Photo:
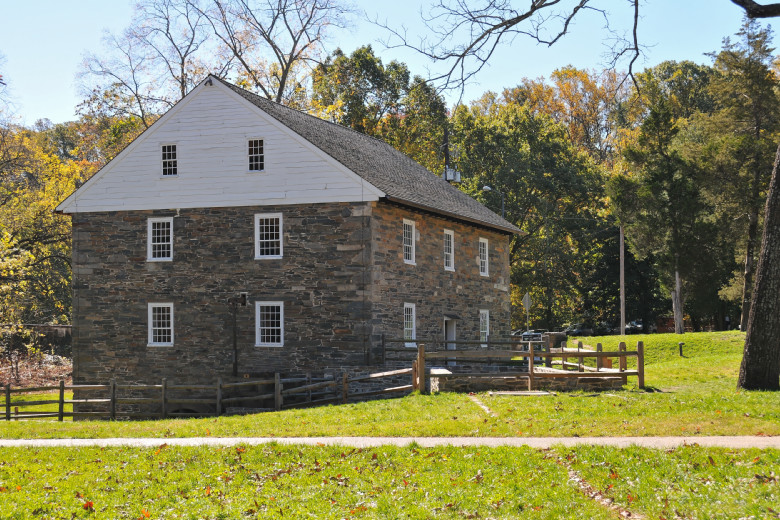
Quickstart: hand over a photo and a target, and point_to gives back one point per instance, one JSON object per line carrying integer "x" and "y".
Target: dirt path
{"x": 366, "y": 442}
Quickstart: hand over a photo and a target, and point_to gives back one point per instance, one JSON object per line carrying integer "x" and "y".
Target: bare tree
{"x": 175, "y": 33}
{"x": 464, "y": 34}
{"x": 153, "y": 64}
{"x": 123, "y": 83}
{"x": 273, "y": 42}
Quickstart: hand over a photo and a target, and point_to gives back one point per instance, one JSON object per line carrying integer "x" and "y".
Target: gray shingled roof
{"x": 398, "y": 176}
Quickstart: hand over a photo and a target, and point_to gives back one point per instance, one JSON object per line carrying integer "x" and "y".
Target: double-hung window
{"x": 483, "y": 257}
{"x": 269, "y": 320}
{"x": 256, "y": 155}
{"x": 159, "y": 239}
{"x": 410, "y": 324}
{"x": 449, "y": 250}
{"x": 160, "y": 330}
{"x": 484, "y": 326}
{"x": 408, "y": 241}
{"x": 170, "y": 166}
{"x": 268, "y": 236}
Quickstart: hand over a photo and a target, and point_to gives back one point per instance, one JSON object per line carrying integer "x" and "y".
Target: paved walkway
{"x": 367, "y": 442}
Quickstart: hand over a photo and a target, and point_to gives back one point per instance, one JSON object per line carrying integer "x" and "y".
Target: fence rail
{"x": 517, "y": 359}
{"x": 528, "y": 353}
{"x": 285, "y": 393}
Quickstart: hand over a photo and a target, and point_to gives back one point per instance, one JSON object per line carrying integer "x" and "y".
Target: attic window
{"x": 256, "y": 155}
{"x": 170, "y": 167}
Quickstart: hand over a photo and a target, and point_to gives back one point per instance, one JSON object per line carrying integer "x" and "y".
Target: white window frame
{"x": 169, "y": 163}
{"x": 484, "y": 326}
{"x": 150, "y": 236}
{"x": 409, "y": 232}
{"x": 250, "y": 155}
{"x": 258, "y": 218}
{"x": 410, "y": 332}
{"x": 258, "y": 334}
{"x": 449, "y": 256}
{"x": 484, "y": 257}
{"x": 151, "y": 328}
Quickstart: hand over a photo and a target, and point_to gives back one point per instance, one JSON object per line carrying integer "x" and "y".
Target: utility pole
{"x": 622, "y": 283}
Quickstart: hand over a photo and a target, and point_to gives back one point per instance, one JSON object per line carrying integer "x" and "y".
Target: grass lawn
{"x": 691, "y": 395}
{"x": 275, "y": 481}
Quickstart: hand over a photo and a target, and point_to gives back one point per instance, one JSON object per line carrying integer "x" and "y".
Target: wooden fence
{"x": 518, "y": 359}
{"x": 161, "y": 401}
{"x": 521, "y": 362}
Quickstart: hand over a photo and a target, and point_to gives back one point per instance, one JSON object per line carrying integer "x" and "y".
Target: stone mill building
{"x": 239, "y": 236}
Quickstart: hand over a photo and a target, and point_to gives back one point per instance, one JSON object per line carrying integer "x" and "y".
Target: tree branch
{"x": 756, "y": 10}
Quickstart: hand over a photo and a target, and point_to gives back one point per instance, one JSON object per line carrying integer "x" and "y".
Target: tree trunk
{"x": 677, "y": 304}
{"x": 760, "y": 369}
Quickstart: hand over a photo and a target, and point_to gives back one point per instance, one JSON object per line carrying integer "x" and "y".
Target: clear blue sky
{"x": 43, "y": 42}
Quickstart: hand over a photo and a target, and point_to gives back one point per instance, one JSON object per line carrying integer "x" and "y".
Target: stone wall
{"x": 509, "y": 383}
{"x": 320, "y": 279}
{"x": 437, "y": 293}
{"x": 342, "y": 280}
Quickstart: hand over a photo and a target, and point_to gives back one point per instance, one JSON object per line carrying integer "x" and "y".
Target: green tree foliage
{"x": 552, "y": 191}
{"x": 659, "y": 199}
{"x": 361, "y": 92}
{"x": 587, "y": 103}
{"x": 738, "y": 138}
{"x": 34, "y": 241}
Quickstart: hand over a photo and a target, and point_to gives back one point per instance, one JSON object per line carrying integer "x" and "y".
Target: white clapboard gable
{"x": 211, "y": 127}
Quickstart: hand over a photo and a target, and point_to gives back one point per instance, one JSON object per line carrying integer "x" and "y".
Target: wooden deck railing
{"x": 527, "y": 353}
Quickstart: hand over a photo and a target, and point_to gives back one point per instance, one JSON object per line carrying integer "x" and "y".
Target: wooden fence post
{"x": 277, "y": 392}
{"x": 640, "y": 363}
{"x": 564, "y": 359}
{"x": 421, "y": 366}
{"x": 344, "y": 387}
{"x": 8, "y": 402}
{"x": 415, "y": 375}
{"x": 61, "y": 410}
{"x": 219, "y": 396}
{"x": 112, "y": 397}
{"x": 622, "y": 360}
{"x": 530, "y": 366}
{"x": 599, "y": 361}
{"x": 164, "y": 412}
{"x": 580, "y": 360}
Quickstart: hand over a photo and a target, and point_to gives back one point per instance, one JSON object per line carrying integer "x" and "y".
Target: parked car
{"x": 636, "y": 327}
{"x": 603, "y": 329}
{"x": 529, "y": 335}
{"x": 578, "y": 329}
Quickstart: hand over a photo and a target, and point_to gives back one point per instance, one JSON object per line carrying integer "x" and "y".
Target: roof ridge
{"x": 307, "y": 114}
{"x": 391, "y": 171}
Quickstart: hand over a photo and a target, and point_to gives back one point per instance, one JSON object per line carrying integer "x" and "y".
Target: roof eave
{"x": 506, "y": 229}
